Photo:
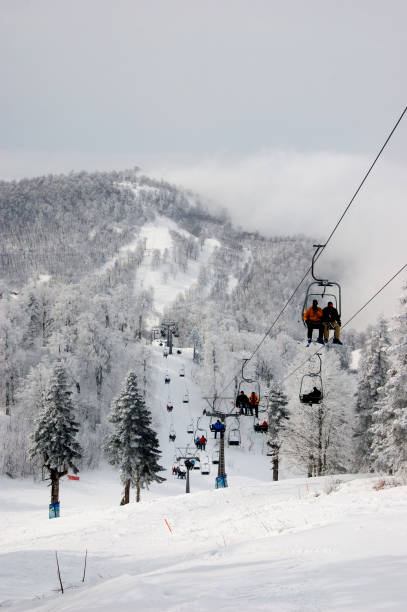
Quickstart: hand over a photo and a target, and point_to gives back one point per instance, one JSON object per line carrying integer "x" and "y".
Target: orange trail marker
{"x": 166, "y": 522}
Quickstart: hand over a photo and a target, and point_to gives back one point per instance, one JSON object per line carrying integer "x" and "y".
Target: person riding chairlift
{"x": 331, "y": 320}
{"x": 218, "y": 427}
{"x": 254, "y": 404}
{"x": 242, "y": 403}
{"x": 313, "y": 396}
{"x": 313, "y": 319}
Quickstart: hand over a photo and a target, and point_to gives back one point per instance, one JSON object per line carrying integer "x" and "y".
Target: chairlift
{"x": 261, "y": 427}
{"x": 205, "y": 467}
{"x": 200, "y": 431}
{"x": 185, "y": 399}
{"x": 182, "y": 371}
{"x": 322, "y": 290}
{"x": 248, "y": 385}
{"x": 215, "y": 456}
{"x": 172, "y": 435}
{"x": 197, "y": 464}
{"x": 311, "y": 388}
{"x": 190, "y": 428}
{"x": 234, "y": 437}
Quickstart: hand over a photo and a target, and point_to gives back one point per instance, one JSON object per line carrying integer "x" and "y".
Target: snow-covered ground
{"x": 332, "y": 543}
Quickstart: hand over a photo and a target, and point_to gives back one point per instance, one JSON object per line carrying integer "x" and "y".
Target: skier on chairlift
{"x": 202, "y": 442}
{"x": 313, "y": 319}
{"x": 242, "y": 403}
{"x": 314, "y": 395}
{"x": 218, "y": 427}
{"x": 254, "y": 403}
{"x": 331, "y": 320}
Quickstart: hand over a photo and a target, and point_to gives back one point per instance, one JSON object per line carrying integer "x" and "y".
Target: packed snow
{"x": 329, "y": 543}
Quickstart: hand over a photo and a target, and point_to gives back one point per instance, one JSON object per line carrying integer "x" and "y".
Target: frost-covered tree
{"x": 277, "y": 415}
{"x": 54, "y": 436}
{"x": 320, "y": 436}
{"x": 389, "y": 428}
{"x": 133, "y": 445}
{"x": 374, "y": 368}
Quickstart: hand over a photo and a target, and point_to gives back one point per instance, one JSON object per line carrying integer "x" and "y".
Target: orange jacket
{"x": 253, "y": 399}
{"x": 313, "y": 315}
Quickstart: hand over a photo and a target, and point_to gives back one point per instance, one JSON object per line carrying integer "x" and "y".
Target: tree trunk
{"x": 310, "y": 466}
{"x": 275, "y": 466}
{"x": 126, "y": 495}
{"x": 54, "y": 476}
{"x": 320, "y": 423}
{"x": 138, "y": 489}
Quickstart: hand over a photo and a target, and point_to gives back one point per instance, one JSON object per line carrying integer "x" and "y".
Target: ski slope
{"x": 323, "y": 544}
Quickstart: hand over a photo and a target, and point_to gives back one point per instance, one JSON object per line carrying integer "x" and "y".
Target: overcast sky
{"x": 272, "y": 109}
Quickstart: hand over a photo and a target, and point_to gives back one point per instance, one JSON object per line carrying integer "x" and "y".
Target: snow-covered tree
{"x": 373, "y": 374}
{"x": 389, "y": 428}
{"x": 54, "y": 436}
{"x": 133, "y": 445}
{"x": 277, "y": 415}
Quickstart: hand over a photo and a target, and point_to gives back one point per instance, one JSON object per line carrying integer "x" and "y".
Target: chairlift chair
{"x": 309, "y": 381}
{"x": 248, "y": 384}
{"x": 200, "y": 431}
{"x": 185, "y": 399}
{"x": 197, "y": 464}
{"x": 321, "y": 289}
{"x": 182, "y": 371}
{"x": 215, "y": 456}
{"x": 190, "y": 428}
{"x": 205, "y": 468}
{"x": 260, "y": 428}
{"x": 234, "y": 437}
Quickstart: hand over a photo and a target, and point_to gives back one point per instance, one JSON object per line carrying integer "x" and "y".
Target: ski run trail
{"x": 331, "y": 543}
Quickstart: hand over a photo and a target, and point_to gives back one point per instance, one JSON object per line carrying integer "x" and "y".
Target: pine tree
{"x": 374, "y": 368}
{"x": 278, "y": 414}
{"x": 54, "y": 437}
{"x": 133, "y": 445}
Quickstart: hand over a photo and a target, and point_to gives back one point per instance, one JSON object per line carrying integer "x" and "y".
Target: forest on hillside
{"x": 70, "y": 296}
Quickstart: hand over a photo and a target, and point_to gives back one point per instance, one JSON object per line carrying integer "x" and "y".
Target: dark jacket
{"x": 242, "y": 400}
{"x": 330, "y": 315}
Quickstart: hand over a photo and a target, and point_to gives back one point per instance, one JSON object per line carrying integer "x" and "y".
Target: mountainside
{"x": 94, "y": 261}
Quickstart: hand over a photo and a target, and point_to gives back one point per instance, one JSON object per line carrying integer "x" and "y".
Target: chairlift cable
{"x": 326, "y": 242}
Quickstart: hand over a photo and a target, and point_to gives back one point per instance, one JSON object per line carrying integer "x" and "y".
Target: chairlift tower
{"x": 185, "y": 456}
{"x": 221, "y": 480}
{"x": 169, "y": 326}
